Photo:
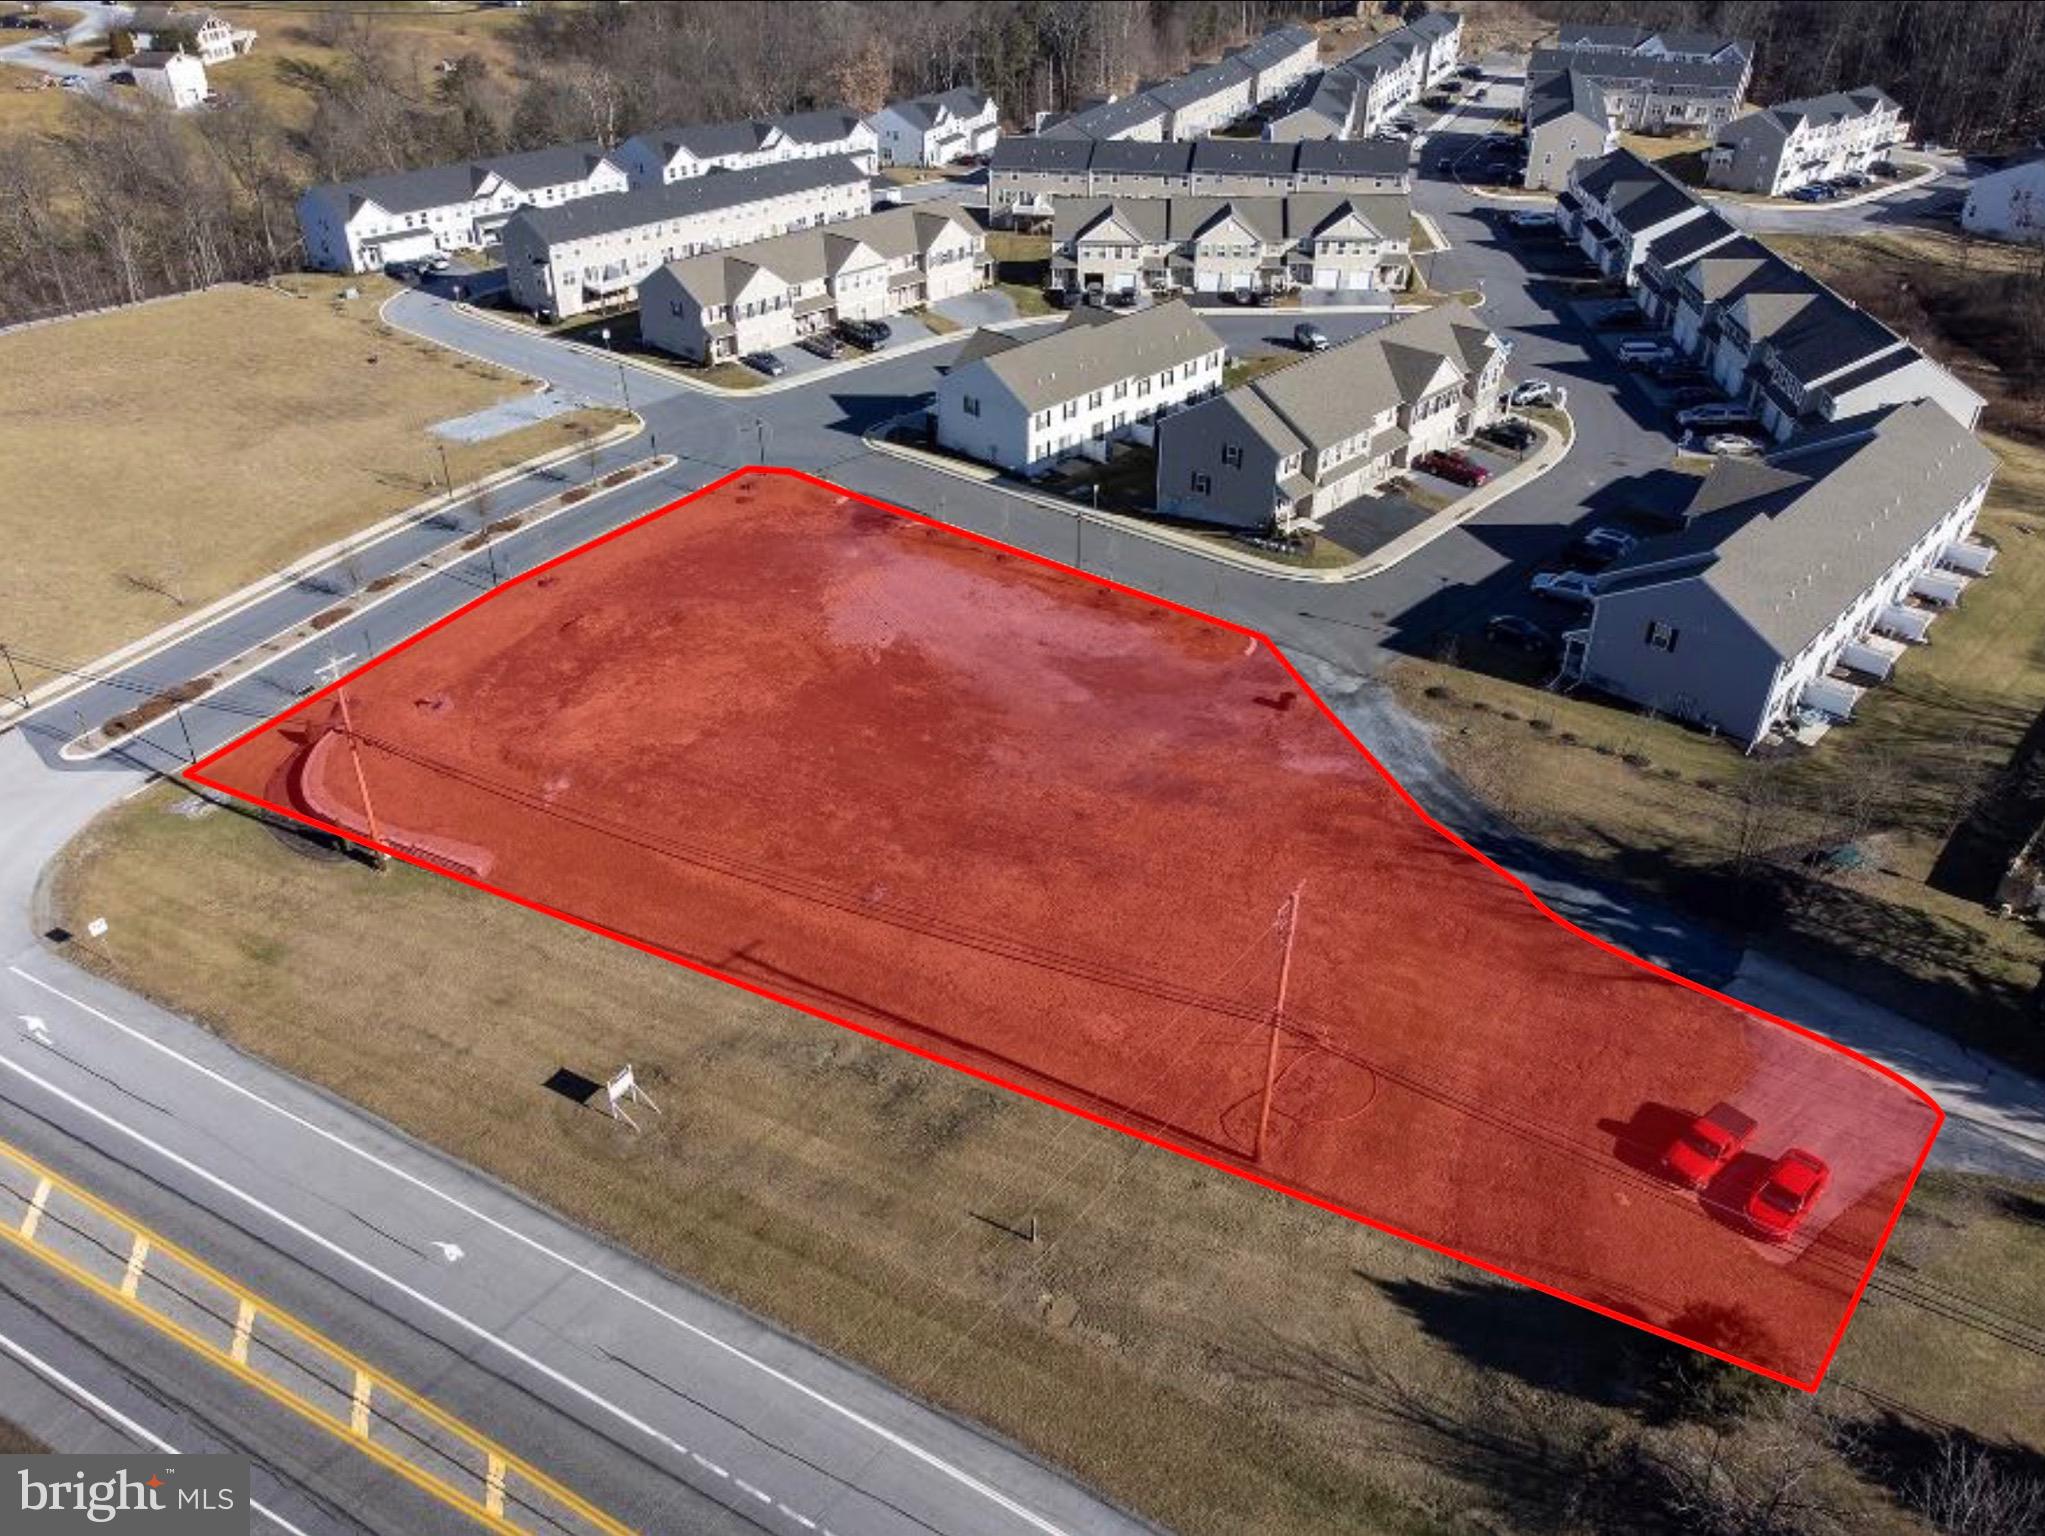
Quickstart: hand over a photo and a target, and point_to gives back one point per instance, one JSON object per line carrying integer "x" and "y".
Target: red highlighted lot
{"x": 1049, "y": 832}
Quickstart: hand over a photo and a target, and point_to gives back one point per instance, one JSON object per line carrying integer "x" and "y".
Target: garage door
{"x": 404, "y": 247}
{"x": 1125, "y": 282}
{"x": 1326, "y": 277}
{"x": 1207, "y": 282}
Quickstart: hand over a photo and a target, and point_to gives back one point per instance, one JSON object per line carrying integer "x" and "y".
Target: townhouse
{"x": 1324, "y": 242}
{"x": 939, "y": 129}
{"x": 1567, "y": 124}
{"x": 1797, "y": 580}
{"x": 769, "y": 293}
{"x": 1357, "y": 96}
{"x": 178, "y": 80}
{"x": 1619, "y": 204}
{"x": 1097, "y": 379}
{"x": 1204, "y": 98}
{"x": 564, "y": 260}
{"x": 1774, "y": 152}
{"x": 1656, "y": 82}
{"x": 676, "y": 154}
{"x": 1028, "y": 175}
{"x": 1287, "y": 449}
{"x": 2008, "y": 204}
{"x": 361, "y": 225}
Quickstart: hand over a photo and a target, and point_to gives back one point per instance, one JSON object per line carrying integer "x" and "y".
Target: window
{"x": 1660, "y": 636}
{"x": 1201, "y": 484}
{"x": 1232, "y": 455}
{"x": 971, "y": 405}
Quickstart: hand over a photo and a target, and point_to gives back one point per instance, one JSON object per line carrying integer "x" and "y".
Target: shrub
{"x": 1634, "y": 760}
{"x": 1438, "y": 691}
{"x": 1543, "y": 726}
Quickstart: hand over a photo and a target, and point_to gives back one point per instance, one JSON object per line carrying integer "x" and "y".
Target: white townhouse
{"x": 1358, "y": 95}
{"x": 1616, "y": 206}
{"x": 769, "y": 293}
{"x": 1797, "y": 581}
{"x": 1029, "y": 174}
{"x": 676, "y": 154}
{"x": 1204, "y": 98}
{"x": 1773, "y": 152}
{"x": 178, "y": 80}
{"x": 584, "y": 255}
{"x": 1285, "y": 450}
{"x": 940, "y": 129}
{"x": 359, "y": 226}
{"x": 1279, "y": 60}
{"x": 1100, "y": 377}
{"x": 2008, "y": 204}
{"x": 1321, "y": 242}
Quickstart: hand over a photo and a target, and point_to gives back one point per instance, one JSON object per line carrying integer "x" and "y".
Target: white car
{"x": 1731, "y": 445}
{"x": 1702, "y": 418}
{"x": 438, "y": 264}
{"x": 1533, "y": 392}
{"x": 1572, "y": 587}
{"x": 1639, "y": 351}
{"x": 1533, "y": 218}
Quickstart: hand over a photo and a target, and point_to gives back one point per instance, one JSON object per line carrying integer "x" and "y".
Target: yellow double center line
{"x": 79, "y": 1236}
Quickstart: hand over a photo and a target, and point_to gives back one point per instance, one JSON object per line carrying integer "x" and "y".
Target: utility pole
{"x": 624, "y": 389}
{"x": 1277, "y": 1022}
{"x": 760, "y": 429}
{"x": 446, "y": 479}
{"x": 334, "y": 664}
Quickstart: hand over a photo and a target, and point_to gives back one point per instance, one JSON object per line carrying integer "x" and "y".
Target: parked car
{"x": 1478, "y": 94}
{"x": 1705, "y": 418}
{"x": 1815, "y": 192}
{"x": 1600, "y": 547}
{"x": 1532, "y": 392}
{"x": 823, "y": 344}
{"x": 1123, "y": 298}
{"x": 1522, "y": 634}
{"x": 765, "y": 362}
{"x": 1531, "y": 218}
{"x": 1309, "y": 337}
{"x": 1471, "y": 72}
{"x": 1853, "y": 181}
{"x": 871, "y": 335}
{"x": 1642, "y": 352}
{"x": 1571, "y": 587}
{"x": 436, "y": 263}
{"x": 1787, "y": 1194}
{"x": 1885, "y": 169}
{"x": 1677, "y": 370}
{"x": 1706, "y": 1145}
{"x": 1685, "y": 395}
{"x": 1622, "y": 317}
{"x": 1508, "y": 433}
{"x": 1456, "y": 468}
{"x": 1733, "y": 445}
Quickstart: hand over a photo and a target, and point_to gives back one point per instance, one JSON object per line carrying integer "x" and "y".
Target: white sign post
{"x": 97, "y": 928}
{"x": 625, "y": 1087}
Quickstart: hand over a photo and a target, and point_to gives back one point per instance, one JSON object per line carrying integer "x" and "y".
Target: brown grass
{"x": 159, "y": 457}
{"x": 25, "y": 105}
{"x": 1218, "y": 1357}
{"x": 16, "y": 1441}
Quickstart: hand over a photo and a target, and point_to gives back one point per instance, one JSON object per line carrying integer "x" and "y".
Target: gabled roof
{"x": 1242, "y": 157}
{"x": 441, "y": 186}
{"x": 745, "y": 136}
{"x": 924, "y": 111}
{"x": 1219, "y": 157}
{"x": 825, "y": 250}
{"x": 1637, "y": 193}
{"x": 1555, "y": 93}
{"x": 1275, "y": 46}
{"x": 1791, "y": 542}
{"x": 1174, "y": 220}
{"x": 1093, "y": 350}
{"x": 691, "y": 195}
{"x": 1136, "y": 157}
{"x": 1111, "y": 118}
{"x": 1437, "y": 24}
{"x": 1674, "y": 247}
{"x": 1201, "y": 84}
{"x": 1041, "y": 152}
{"x": 1721, "y": 74}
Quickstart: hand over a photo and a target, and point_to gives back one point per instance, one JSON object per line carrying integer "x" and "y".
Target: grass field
{"x": 1218, "y": 1357}
{"x": 1021, "y": 265}
{"x": 159, "y": 457}
{"x": 26, "y": 104}
{"x": 1654, "y": 803}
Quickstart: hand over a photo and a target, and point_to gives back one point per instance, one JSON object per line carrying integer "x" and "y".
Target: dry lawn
{"x": 1221, "y": 1358}
{"x": 159, "y": 457}
{"x": 27, "y": 105}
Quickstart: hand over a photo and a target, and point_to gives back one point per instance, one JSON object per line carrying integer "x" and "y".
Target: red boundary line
{"x": 195, "y": 775}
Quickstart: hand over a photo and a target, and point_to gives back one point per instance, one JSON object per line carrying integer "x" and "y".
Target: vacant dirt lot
{"x": 159, "y": 457}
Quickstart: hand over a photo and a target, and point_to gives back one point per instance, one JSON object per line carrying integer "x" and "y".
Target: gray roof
{"x": 1634, "y": 39}
{"x": 1041, "y": 152}
{"x": 1092, "y": 350}
{"x": 1724, "y": 74}
{"x": 1309, "y": 157}
{"x": 1675, "y": 246}
{"x": 806, "y": 255}
{"x": 694, "y": 194}
{"x": 1637, "y": 193}
{"x": 1158, "y": 220}
{"x": 1790, "y": 543}
{"x": 1111, "y": 118}
{"x": 1778, "y": 122}
{"x": 439, "y": 186}
{"x": 1557, "y": 93}
{"x": 1242, "y": 157}
{"x": 962, "y": 101}
{"x": 745, "y": 136}
{"x": 1278, "y": 44}
{"x": 1199, "y": 84}
{"x": 1349, "y": 157}
{"x": 1437, "y": 24}
{"x": 1140, "y": 157}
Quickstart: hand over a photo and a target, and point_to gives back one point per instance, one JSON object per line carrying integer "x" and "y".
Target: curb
{"x": 1833, "y": 205}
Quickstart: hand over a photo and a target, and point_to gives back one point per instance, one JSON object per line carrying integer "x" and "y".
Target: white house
{"x": 676, "y": 154}
{"x": 1099, "y": 377}
{"x": 176, "y": 79}
{"x": 359, "y": 226}
{"x": 1617, "y": 206}
{"x": 1774, "y": 152}
{"x": 2008, "y": 204}
{"x": 939, "y": 129}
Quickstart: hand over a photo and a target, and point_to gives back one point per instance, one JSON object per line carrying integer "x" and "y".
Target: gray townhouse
{"x": 566, "y": 260}
{"x": 1617, "y": 205}
{"x": 1321, "y": 242}
{"x": 1654, "y": 287}
{"x": 1099, "y": 378}
{"x": 1202, "y": 99}
{"x": 1797, "y": 580}
{"x": 942, "y": 128}
{"x": 365, "y": 224}
{"x": 769, "y": 293}
{"x": 1656, "y": 82}
{"x": 676, "y": 154}
{"x": 1773, "y": 152}
{"x": 1028, "y": 175}
{"x": 1286, "y": 449}
{"x": 1356, "y": 96}
{"x": 1566, "y": 123}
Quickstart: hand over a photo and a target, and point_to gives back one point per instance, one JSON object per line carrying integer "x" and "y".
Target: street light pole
{"x": 760, "y": 430}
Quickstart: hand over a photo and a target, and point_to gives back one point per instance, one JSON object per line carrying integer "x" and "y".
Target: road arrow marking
{"x": 452, "y": 1252}
{"x": 36, "y": 1028}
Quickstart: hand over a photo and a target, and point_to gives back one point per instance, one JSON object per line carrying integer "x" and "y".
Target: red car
{"x": 1706, "y": 1145}
{"x": 1455, "y": 467}
{"x": 1788, "y": 1194}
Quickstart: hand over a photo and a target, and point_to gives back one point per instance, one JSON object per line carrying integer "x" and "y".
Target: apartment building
{"x": 676, "y": 154}
{"x": 1202, "y": 99}
{"x": 1619, "y": 204}
{"x": 1357, "y": 96}
{"x": 361, "y": 225}
{"x": 936, "y": 130}
{"x": 1567, "y": 124}
{"x": 1774, "y": 152}
{"x": 2008, "y": 204}
{"x": 564, "y": 260}
{"x": 1027, "y": 176}
{"x": 1798, "y": 579}
{"x": 769, "y": 293}
{"x": 1101, "y": 377}
{"x": 1286, "y": 449}
{"x": 1656, "y": 82}
{"x": 1322, "y": 242}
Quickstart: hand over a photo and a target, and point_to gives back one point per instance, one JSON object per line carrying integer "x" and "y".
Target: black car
{"x": 1516, "y": 435}
{"x": 765, "y": 362}
{"x": 1062, "y": 298}
{"x": 1677, "y": 372}
{"x": 1521, "y": 634}
{"x": 1123, "y": 298}
{"x": 1683, "y": 396}
{"x": 871, "y": 335}
{"x": 824, "y": 345}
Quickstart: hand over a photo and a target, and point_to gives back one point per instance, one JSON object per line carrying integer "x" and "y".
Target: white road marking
{"x": 909, "y": 1447}
{"x": 33, "y": 1026}
{"x": 705, "y": 1461}
{"x": 106, "y": 1410}
{"x": 745, "y": 1487}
